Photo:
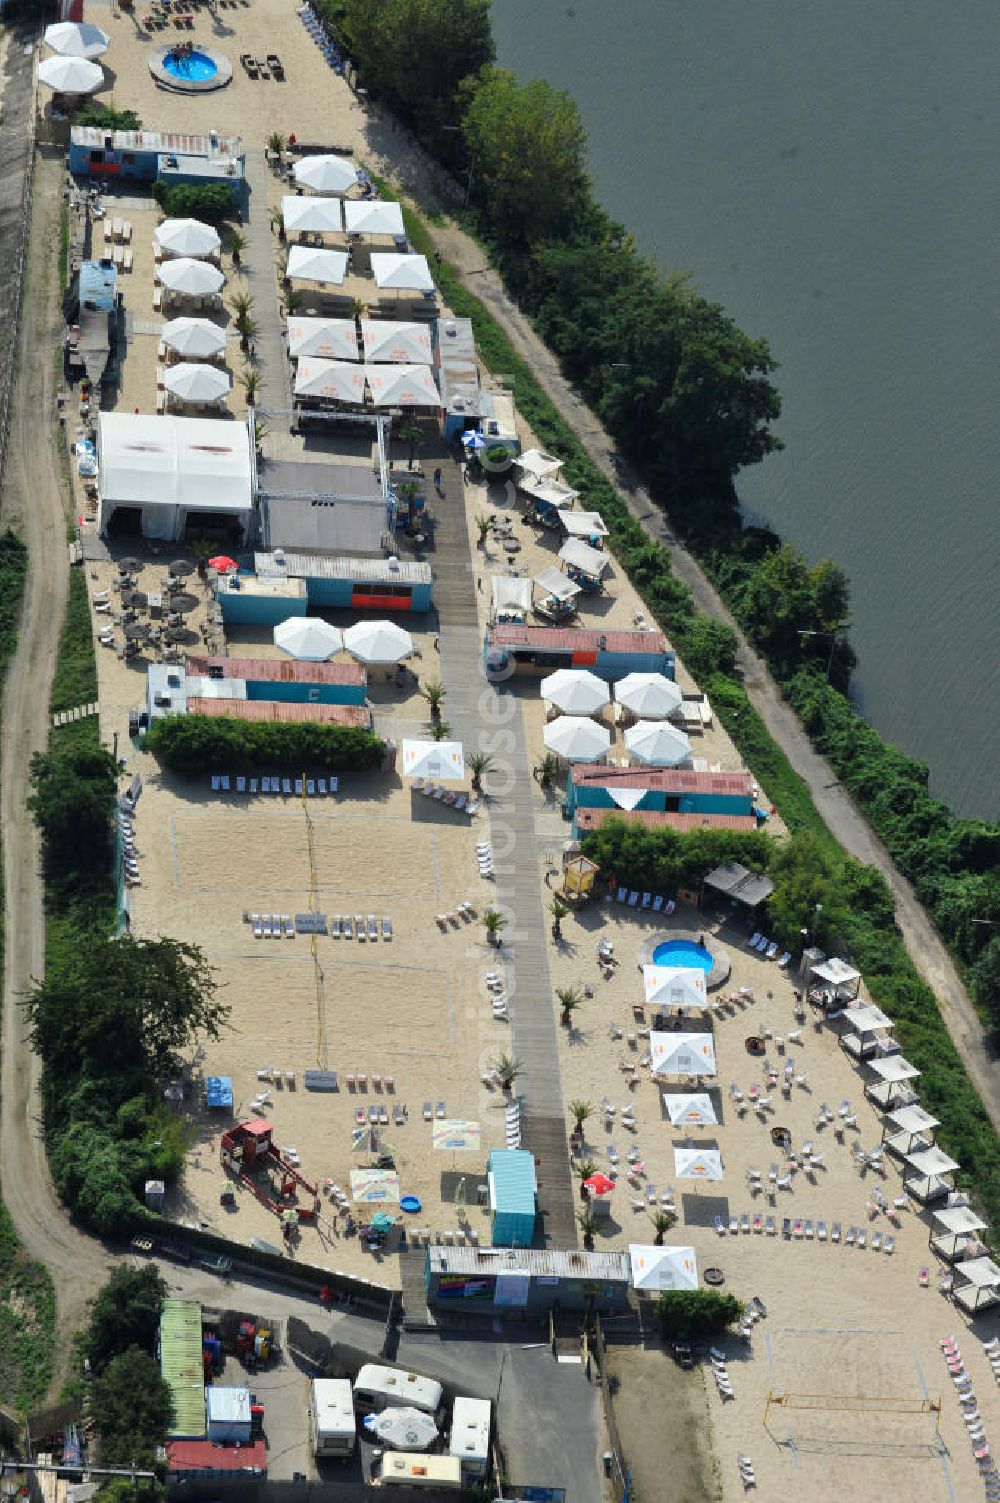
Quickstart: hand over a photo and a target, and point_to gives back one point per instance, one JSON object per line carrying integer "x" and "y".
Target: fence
{"x": 620, "y": 1475}
{"x": 15, "y": 275}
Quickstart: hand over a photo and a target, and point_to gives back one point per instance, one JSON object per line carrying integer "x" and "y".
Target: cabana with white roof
{"x": 657, "y": 1268}
{"x": 333, "y": 380}
{"x": 535, "y": 464}
{"x": 690, "y": 1109}
{"x": 887, "y": 1086}
{"x": 977, "y": 1284}
{"x": 306, "y": 263}
{"x": 173, "y": 471}
{"x": 401, "y": 273}
{"x": 952, "y": 1230}
{"x": 698, "y": 1163}
{"x": 374, "y": 216}
{"x": 908, "y": 1129}
{"x": 930, "y": 1171}
{"x": 558, "y": 592}
{"x": 322, "y": 338}
{"x": 680, "y": 987}
{"x": 836, "y": 973}
{"x": 311, "y": 216}
{"x": 584, "y": 564}
{"x": 551, "y": 497}
{"x": 402, "y": 386}
{"x": 389, "y": 341}
{"x": 682, "y": 1054}
{"x": 583, "y": 524}
{"x": 866, "y": 1031}
{"x": 511, "y": 598}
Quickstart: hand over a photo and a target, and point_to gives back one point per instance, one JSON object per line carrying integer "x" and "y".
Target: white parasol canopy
{"x": 648, "y": 694}
{"x": 404, "y": 1429}
{"x": 373, "y": 216}
{"x": 330, "y": 378}
{"x": 682, "y": 1053}
{"x": 433, "y": 759}
{"x": 314, "y": 216}
{"x": 401, "y": 273}
{"x": 193, "y": 278}
{"x": 323, "y": 338}
{"x": 656, "y": 742}
{"x": 77, "y": 39}
{"x": 197, "y": 338}
{"x": 697, "y": 1163}
{"x": 576, "y": 739}
{"x": 658, "y": 1268}
{"x": 196, "y": 383}
{"x": 308, "y": 263}
{"x": 402, "y": 386}
{"x": 308, "y": 639}
{"x": 693, "y": 1109}
{"x": 575, "y": 691}
{"x": 187, "y": 237}
{"x": 675, "y": 986}
{"x": 378, "y": 642}
{"x": 388, "y": 341}
{"x": 71, "y": 75}
{"x": 326, "y": 174}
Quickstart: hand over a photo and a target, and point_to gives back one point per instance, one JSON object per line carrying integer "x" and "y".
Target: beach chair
{"x": 373, "y": 1115}
{"x": 216, "y": 783}
{"x": 225, "y": 782}
{"x": 720, "y": 1226}
{"x": 241, "y": 785}
{"x": 669, "y": 907}
{"x": 321, "y": 787}
{"x": 335, "y": 926}
{"x": 440, "y": 1109}
{"x": 633, "y": 899}
{"x": 769, "y": 1226}
{"x": 658, "y": 903}
{"x": 359, "y": 927}
{"x": 771, "y": 950}
{"x": 265, "y": 785}
{"x": 372, "y": 927}
{"x": 821, "y": 1231}
{"x": 797, "y": 1228}
{"x": 647, "y": 899}
{"x": 253, "y": 787}
{"x": 786, "y": 1228}
{"x": 809, "y": 1231}
{"x": 334, "y": 784}
{"x": 359, "y": 1116}
{"x": 310, "y": 788}
{"x": 754, "y": 940}
{"x": 890, "y": 1246}
{"x": 612, "y": 1155}
{"x": 428, "y": 1112}
{"x": 876, "y": 1241}
{"x": 298, "y": 787}
{"x": 472, "y": 807}
{"x": 862, "y": 1237}
{"x": 784, "y": 959}
{"x": 383, "y": 1115}
{"x": 758, "y": 1223}
{"x": 762, "y": 944}
{"x": 258, "y": 929}
{"x": 734, "y": 1226}
{"x": 386, "y": 928}
{"x": 286, "y": 787}
{"x": 348, "y": 927}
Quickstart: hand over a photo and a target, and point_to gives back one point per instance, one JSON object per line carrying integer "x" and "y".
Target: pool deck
{"x": 181, "y": 85}
{"x": 721, "y": 966}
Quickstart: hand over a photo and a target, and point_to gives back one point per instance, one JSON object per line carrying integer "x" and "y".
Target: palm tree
{"x": 583, "y": 1170}
{"x": 203, "y": 551}
{"x": 440, "y": 730}
{"x": 359, "y": 309}
{"x": 434, "y": 694}
{"x": 236, "y": 243}
{"x": 588, "y": 1226}
{"x": 662, "y": 1223}
{"x": 546, "y": 769}
{"x": 293, "y": 299}
{"x": 250, "y": 382}
{"x": 411, "y": 433}
{"x": 508, "y": 1067}
{"x": 241, "y": 304}
{"x": 580, "y": 1111}
{"x": 493, "y": 923}
{"x": 569, "y": 999}
{"x": 483, "y": 524}
{"x": 276, "y": 142}
{"x": 479, "y": 764}
{"x": 558, "y": 910}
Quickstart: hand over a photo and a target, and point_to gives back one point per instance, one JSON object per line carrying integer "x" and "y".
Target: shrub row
{"x": 198, "y": 744}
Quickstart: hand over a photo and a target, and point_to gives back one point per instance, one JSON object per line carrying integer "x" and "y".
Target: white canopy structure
{"x": 698, "y": 1163}
{"x": 953, "y": 1227}
{"x": 456, "y": 1135}
{"x": 190, "y": 277}
{"x": 576, "y": 739}
{"x": 579, "y": 555}
{"x": 869, "y": 1019}
{"x": 402, "y": 386}
{"x": 323, "y": 338}
{"x": 77, "y": 39}
{"x": 388, "y": 341}
{"x": 534, "y": 464}
{"x": 929, "y": 1171}
{"x": 908, "y": 1129}
{"x": 311, "y": 216}
{"x": 194, "y": 338}
{"x": 682, "y": 1053}
{"x": 187, "y": 237}
{"x": 308, "y": 263}
{"x": 374, "y": 216}
{"x": 171, "y": 468}
{"x": 378, "y": 642}
{"x": 336, "y": 380}
{"x": 403, "y": 1429}
{"x": 657, "y": 743}
{"x": 575, "y": 691}
{"x": 977, "y": 1284}
{"x": 583, "y": 524}
{"x": 657, "y": 1268}
{"x": 71, "y": 75}
{"x": 887, "y": 1086}
{"x": 649, "y": 695}
{"x": 894, "y": 1069}
{"x": 838, "y": 974}
{"x": 401, "y": 273}
{"x": 326, "y": 174}
{"x": 510, "y": 595}
{"x": 548, "y": 492}
{"x": 693, "y": 1109}
{"x": 308, "y": 639}
{"x": 196, "y": 383}
{"x": 434, "y": 760}
{"x": 554, "y": 582}
{"x": 682, "y": 987}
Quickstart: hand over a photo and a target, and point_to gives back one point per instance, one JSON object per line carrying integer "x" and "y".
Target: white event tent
{"x": 657, "y": 1268}
{"x": 402, "y": 386}
{"x": 171, "y": 468}
{"x": 401, "y": 273}
{"x": 677, "y": 986}
{"x": 697, "y": 1163}
{"x": 433, "y": 759}
{"x": 323, "y": 338}
{"x": 307, "y": 263}
{"x": 337, "y": 380}
{"x": 311, "y": 216}
{"x": 187, "y": 237}
{"x": 326, "y": 174}
{"x": 308, "y": 639}
{"x": 682, "y": 1054}
{"x": 577, "y": 739}
{"x": 690, "y": 1109}
{"x": 390, "y": 341}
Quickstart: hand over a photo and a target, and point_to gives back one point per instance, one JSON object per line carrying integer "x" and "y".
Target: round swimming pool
{"x": 191, "y": 67}
{"x": 684, "y": 952}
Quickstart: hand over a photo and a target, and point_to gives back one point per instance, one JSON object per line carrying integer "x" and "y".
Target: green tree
{"x": 804, "y": 880}
{"x": 125, "y": 1490}
{"x": 106, "y": 117}
{"x": 570, "y": 999}
{"x": 125, "y": 1313}
{"x": 559, "y": 910}
{"x": 986, "y": 981}
{"x": 132, "y": 1408}
{"x": 412, "y": 435}
{"x": 663, "y": 1222}
{"x": 210, "y": 202}
{"x": 433, "y": 694}
{"x": 493, "y": 922}
{"x": 696, "y": 1312}
{"x": 508, "y": 1067}
{"x": 72, "y": 802}
{"x": 588, "y": 1226}
{"x": 479, "y": 764}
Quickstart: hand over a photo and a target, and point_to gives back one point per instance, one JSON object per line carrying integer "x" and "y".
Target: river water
{"x": 829, "y": 173}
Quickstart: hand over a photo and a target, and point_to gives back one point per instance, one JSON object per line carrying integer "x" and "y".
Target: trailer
{"x": 248, "y": 1151}
{"x": 331, "y": 1410}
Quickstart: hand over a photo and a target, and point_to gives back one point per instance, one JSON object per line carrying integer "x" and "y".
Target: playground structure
{"x": 248, "y": 1151}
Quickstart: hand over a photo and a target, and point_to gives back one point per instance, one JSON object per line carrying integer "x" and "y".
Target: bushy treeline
{"x": 130, "y": 1402}
{"x": 198, "y": 744}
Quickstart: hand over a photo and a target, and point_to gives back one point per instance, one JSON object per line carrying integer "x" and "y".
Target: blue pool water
{"x": 193, "y": 66}
{"x": 683, "y": 952}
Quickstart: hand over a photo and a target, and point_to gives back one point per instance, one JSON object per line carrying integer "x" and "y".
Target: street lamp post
{"x": 833, "y": 635}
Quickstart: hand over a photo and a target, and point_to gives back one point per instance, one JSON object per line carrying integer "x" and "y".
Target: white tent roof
{"x": 583, "y": 524}
{"x": 193, "y": 278}
{"x": 650, "y": 695}
{"x": 958, "y": 1220}
{"x": 836, "y": 971}
{"x": 433, "y": 759}
{"x": 314, "y": 216}
{"x": 196, "y": 338}
{"x": 373, "y": 216}
{"x": 576, "y": 739}
{"x": 931, "y": 1162}
{"x": 581, "y": 556}
{"x": 657, "y": 742}
{"x": 326, "y": 174}
{"x": 196, "y": 383}
{"x": 308, "y": 639}
{"x": 912, "y": 1119}
{"x": 187, "y": 237}
{"x": 330, "y": 378}
{"x": 402, "y": 386}
{"x": 323, "y": 338}
{"x": 387, "y": 340}
{"x": 308, "y": 263}
{"x": 682, "y": 1053}
{"x": 626, "y": 798}
{"x": 152, "y": 460}
{"x": 510, "y": 593}
{"x": 77, "y": 39}
{"x": 893, "y": 1069}
{"x": 693, "y": 1109}
{"x": 660, "y": 1268}
{"x": 697, "y": 1163}
{"x": 378, "y": 642}
{"x": 404, "y": 1429}
{"x": 538, "y": 464}
{"x": 575, "y": 691}
{"x": 71, "y": 75}
{"x": 551, "y": 491}
{"x": 401, "y": 272}
{"x": 554, "y": 582}
{"x": 866, "y": 1019}
{"x": 982, "y": 1272}
{"x": 675, "y": 986}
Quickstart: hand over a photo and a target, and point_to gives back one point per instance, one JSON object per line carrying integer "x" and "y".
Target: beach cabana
{"x": 574, "y": 691}
{"x": 390, "y": 341}
{"x": 335, "y": 380}
{"x": 77, "y": 39}
{"x": 657, "y": 743}
{"x": 577, "y": 739}
{"x": 888, "y": 1080}
{"x": 952, "y": 1227}
{"x": 583, "y": 562}
{"x": 648, "y": 696}
{"x": 977, "y": 1284}
{"x": 680, "y": 987}
{"x": 311, "y": 216}
{"x": 908, "y": 1129}
{"x": 325, "y": 174}
{"x": 444, "y": 760}
{"x": 697, "y": 1163}
{"x": 201, "y": 384}
{"x": 401, "y": 273}
{"x": 535, "y": 464}
{"x": 682, "y": 1053}
{"x": 189, "y": 277}
{"x": 374, "y": 216}
{"x": 690, "y": 1109}
{"x": 323, "y": 338}
{"x": 378, "y": 642}
{"x": 929, "y": 1174}
{"x": 836, "y": 973}
{"x": 187, "y": 237}
{"x": 511, "y": 597}
{"x": 308, "y": 263}
{"x": 194, "y": 338}
{"x": 71, "y": 75}
{"x": 583, "y": 524}
{"x": 866, "y": 1031}
{"x": 308, "y": 639}
{"x": 657, "y": 1268}
{"x": 402, "y": 386}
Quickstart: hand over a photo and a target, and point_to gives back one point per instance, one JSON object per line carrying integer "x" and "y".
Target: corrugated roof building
{"x": 181, "y": 1366}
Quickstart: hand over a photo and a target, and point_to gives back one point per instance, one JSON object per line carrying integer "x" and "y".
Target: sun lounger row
{"x": 971, "y": 1417}
{"x": 272, "y": 925}
{"x": 512, "y": 1125}
{"x": 288, "y": 787}
{"x": 484, "y": 859}
{"x": 377, "y": 1116}
{"x": 657, "y": 904}
{"x": 358, "y": 1080}
{"x": 452, "y": 797}
{"x": 342, "y": 926}
{"x": 768, "y": 948}
{"x": 452, "y": 916}
{"x": 449, "y": 1238}
{"x": 721, "y": 1375}
{"x": 431, "y": 1112}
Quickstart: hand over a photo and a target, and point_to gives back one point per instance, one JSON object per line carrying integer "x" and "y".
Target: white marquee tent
{"x": 402, "y": 386}
{"x": 657, "y": 1268}
{"x": 374, "y": 216}
{"x": 690, "y": 1109}
{"x": 312, "y": 216}
{"x": 682, "y": 1054}
{"x": 577, "y": 739}
{"x": 171, "y": 468}
{"x": 390, "y": 341}
{"x": 697, "y": 1163}
{"x": 323, "y": 338}
{"x": 675, "y": 986}
{"x": 187, "y": 237}
{"x": 401, "y": 273}
{"x": 307, "y": 263}
{"x": 433, "y": 759}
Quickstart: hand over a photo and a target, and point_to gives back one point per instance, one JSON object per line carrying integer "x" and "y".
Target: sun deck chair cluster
{"x": 971, "y": 1417}
{"x": 512, "y": 1124}
{"x": 720, "y": 1373}
{"x": 359, "y": 1080}
{"x": 484, "y": 859}
{"x": 130, "y": 851}
{"x": 360, "y": 927}
{"x": 656, "y": 903}
{"x": 747, "y": 1474}
{"x": 453, "y": 798}
{"x": 224, "y": 782}
{"x": 452, "y": 918}
{"x": 270, "y": 925}
{"x": 768, "y": 948}
{"x": 496, "y": 988}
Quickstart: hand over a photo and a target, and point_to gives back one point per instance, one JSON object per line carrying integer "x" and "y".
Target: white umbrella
{"x": 378, "y": 642}
{"x": 648, "y": 694}
{"x": 326, "y": 174}
{"x": 660, "y": 1268}
{"x": 402, "y": 386}
{"x": 697, "y": 1163}
{"x": 695, "y": 1109}
{"x": 658, "y": 743}
{"x": 197, "y": 337}
{"x": 337, "y": 379}
{"x": 314, "y": 216}
{"x": 309, "y": 263}
{"x": 187, "y": 237}
{"x": 682, "y": 1053}
{"x": 77, "y": 39}
{"x": 373, "y": 216}
{"x": 71, "y": 75}
{"x": 575, "y": 691}
{"x": 433, "y": 759}
{"x": 196, "y": 383}
{"x": 323, "y": 338}
{"x": 675, "y": 986}
{"x": 404, "y": 1429}
{"x": 577, "y": 739}
{"x": 193, "y": 278}
{"x": 404, "y": 273}
{"x": 308, "y": 639}
{"x": 387, "y": 340}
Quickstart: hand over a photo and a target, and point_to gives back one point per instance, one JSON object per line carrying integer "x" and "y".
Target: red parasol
{"x": 599, "y": 1184}
{"x": 223, "y": 564}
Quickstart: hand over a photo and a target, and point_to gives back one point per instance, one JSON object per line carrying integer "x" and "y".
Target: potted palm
{"x": 508, "y": 1067}
{"x": 479, "y": 764}
{"x": 434, "y": 693}
{"x": 413, "y": 435}
{"x": 558, "y": 910}
{"x": 545, "y": 770}
{"x": 584, "y": 1169}
{"x": 588, "y": 1226}
{"x": 440, "y": 730}
{"x": 579, "y": 1111}
{"x": 493, "y": 923}
{"x": 483, "y": 525}
{"x": 662, "y": 1221}
{"x": 569, "y": 999}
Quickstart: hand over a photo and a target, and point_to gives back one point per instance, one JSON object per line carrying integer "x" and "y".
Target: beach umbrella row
{"x": 196, "y": 383}
{"x": 190, "y": 277}
{"x": 196, "y": 338}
